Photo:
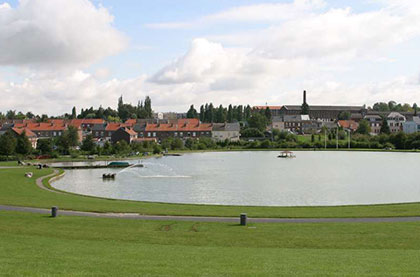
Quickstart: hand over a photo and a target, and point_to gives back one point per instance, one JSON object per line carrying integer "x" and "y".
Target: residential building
{"x": 299, "y": 124}
{"x": 33, "y": 139}
{"x": 395, "y": 122}
{"x": 348, "y": 125}
{"x": 226, "y": 131}
{"x": 412, "y": 126}
{"x": 375, "y": 123}
{"x": 124, "y": 133}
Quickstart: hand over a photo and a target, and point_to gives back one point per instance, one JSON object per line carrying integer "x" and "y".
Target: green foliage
{"x": 157, "y": 149}
{"x": 345, "y": 115}
{"x": 88, "y": 145}
{"x": 45, "y": 146}
{"x": 385, "y": 128}
{"x": 7, "y": 144}
{"x": 23, "y": 145}
{"x": 251, "y": 133}
{"x": 258, "y": 121}
{"x": 177, "y": 144}
{"x": 364, "y": 127}
{"x": 192, "y": 113}
{"x": 121, "y": 148}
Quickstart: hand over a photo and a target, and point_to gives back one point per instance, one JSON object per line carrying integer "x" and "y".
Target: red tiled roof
{"x": 43, "y": 126}
{"x": 113, "y": 126}
{"x": 92, "y": 121}
{"x": 28, "y": 132}
{"x": 130, "y": 131}
{"x": 178, "y": 127}
{"x": 131, "y": 122}
{"x": 188, "y": 121}
{"x": 348, "y": 124}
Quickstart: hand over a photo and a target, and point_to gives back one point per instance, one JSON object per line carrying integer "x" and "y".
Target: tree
{"x": 220, "y": 114}
{"x": 192, "y": 113}
{"x": 364, "y": 127}
{"x": 87, "y": 144}
{"x": 73, "y": 113}
{"x": 148, "y": 107}
{"x": 230, "y": 114}
{"x": 251, "y": 133}
{"x": 7, "y": 144}
{"x": 267, "y": 114}
{"x": 29, "y": 115}
{"x": 202, "y": 114}
{"x": 23, "y": 145}
{"x": 44, "y": 146}
{"x": 415, "y": 109}
{"x": 344, "y": 115}
{"x": 121, "y": 147}
{"x": 385, "y": 128}
{"x": 177, "y": 144}
{"x": 11, "y": 114}
{"x": 72, "y": 135}
{"x": 258, "y": 121}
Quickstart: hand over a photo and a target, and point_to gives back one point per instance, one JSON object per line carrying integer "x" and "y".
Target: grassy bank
{"x": 17, "y": 190}
{"x": 37, "y": 245}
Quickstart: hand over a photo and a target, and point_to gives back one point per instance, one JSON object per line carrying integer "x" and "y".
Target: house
{"x": 226, "y": 131}
{"x": 412, "y": 126}
{"x": 182, "y": 128}
{"x": 348, "y": 125}
{"x": 395, "y": 122}
{"x": 296, "y": 123}
{"x": 375, "y": 123}
{"x": 124, "y": 133}
{"x": 33, "y": 139}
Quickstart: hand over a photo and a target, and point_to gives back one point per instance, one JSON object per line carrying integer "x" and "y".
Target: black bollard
{"x": 243, "y": 219}
{"x": 54, "y": 211}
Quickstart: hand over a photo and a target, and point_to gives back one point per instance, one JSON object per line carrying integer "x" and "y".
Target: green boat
{"x": 118, "y": 164}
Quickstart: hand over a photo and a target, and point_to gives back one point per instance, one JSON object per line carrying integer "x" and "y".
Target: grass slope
{"x": 17, "y": 190}
{"x": 36, "y": 245}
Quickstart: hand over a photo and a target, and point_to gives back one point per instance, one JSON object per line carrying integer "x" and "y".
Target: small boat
{"x": 108, "y": 176}
{"x": 118, "y": 164}
{"x": 286, "y": 154}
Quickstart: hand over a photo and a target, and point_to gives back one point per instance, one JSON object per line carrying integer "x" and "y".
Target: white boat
{"x": 286, "y": 154}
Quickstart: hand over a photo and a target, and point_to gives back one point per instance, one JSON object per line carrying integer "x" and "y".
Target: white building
{"x": 410, "y": 127}
{"x": 226, "y": 131}
{"x": 395, "y": 122}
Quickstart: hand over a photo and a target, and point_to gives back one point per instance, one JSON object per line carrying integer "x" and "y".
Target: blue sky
{"x": 85, "y": 53}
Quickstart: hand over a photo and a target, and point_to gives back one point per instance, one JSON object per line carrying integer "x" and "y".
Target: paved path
{"x": 197, "y": 218}
{"x": 210, "y": 219}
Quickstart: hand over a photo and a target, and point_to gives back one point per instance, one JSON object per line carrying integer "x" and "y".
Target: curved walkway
{"x": 211, "y": 219}
{"x": 39, "y": 183}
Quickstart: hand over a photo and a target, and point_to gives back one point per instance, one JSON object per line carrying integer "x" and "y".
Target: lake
{"x": 259, "y": 178}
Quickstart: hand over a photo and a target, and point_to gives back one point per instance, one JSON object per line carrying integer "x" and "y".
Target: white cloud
{"x": 266, "y": 12}
{"x": 56, "y": 32}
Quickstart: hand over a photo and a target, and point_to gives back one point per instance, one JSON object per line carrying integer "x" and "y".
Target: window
{"x": 54, "y": 134}
{"x": 154, "y": 134}
{"x": 148, "y": 134}
{"x": 193, "y": 134}
{"x": 176, "y": 134}
{"x": 181, "y": 134}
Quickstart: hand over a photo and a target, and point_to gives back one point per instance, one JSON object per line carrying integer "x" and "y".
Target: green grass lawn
{"x": 37, "y": 245}
{"x": 17, "y": 190}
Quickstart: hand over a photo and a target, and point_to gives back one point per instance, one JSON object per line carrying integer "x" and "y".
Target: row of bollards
{"x": 243, "y": 216}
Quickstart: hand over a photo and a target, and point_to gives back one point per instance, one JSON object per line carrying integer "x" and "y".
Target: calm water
{"x": 260, "y": 178}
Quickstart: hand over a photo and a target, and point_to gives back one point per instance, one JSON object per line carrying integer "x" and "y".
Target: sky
{"x": 56, "y": 54}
